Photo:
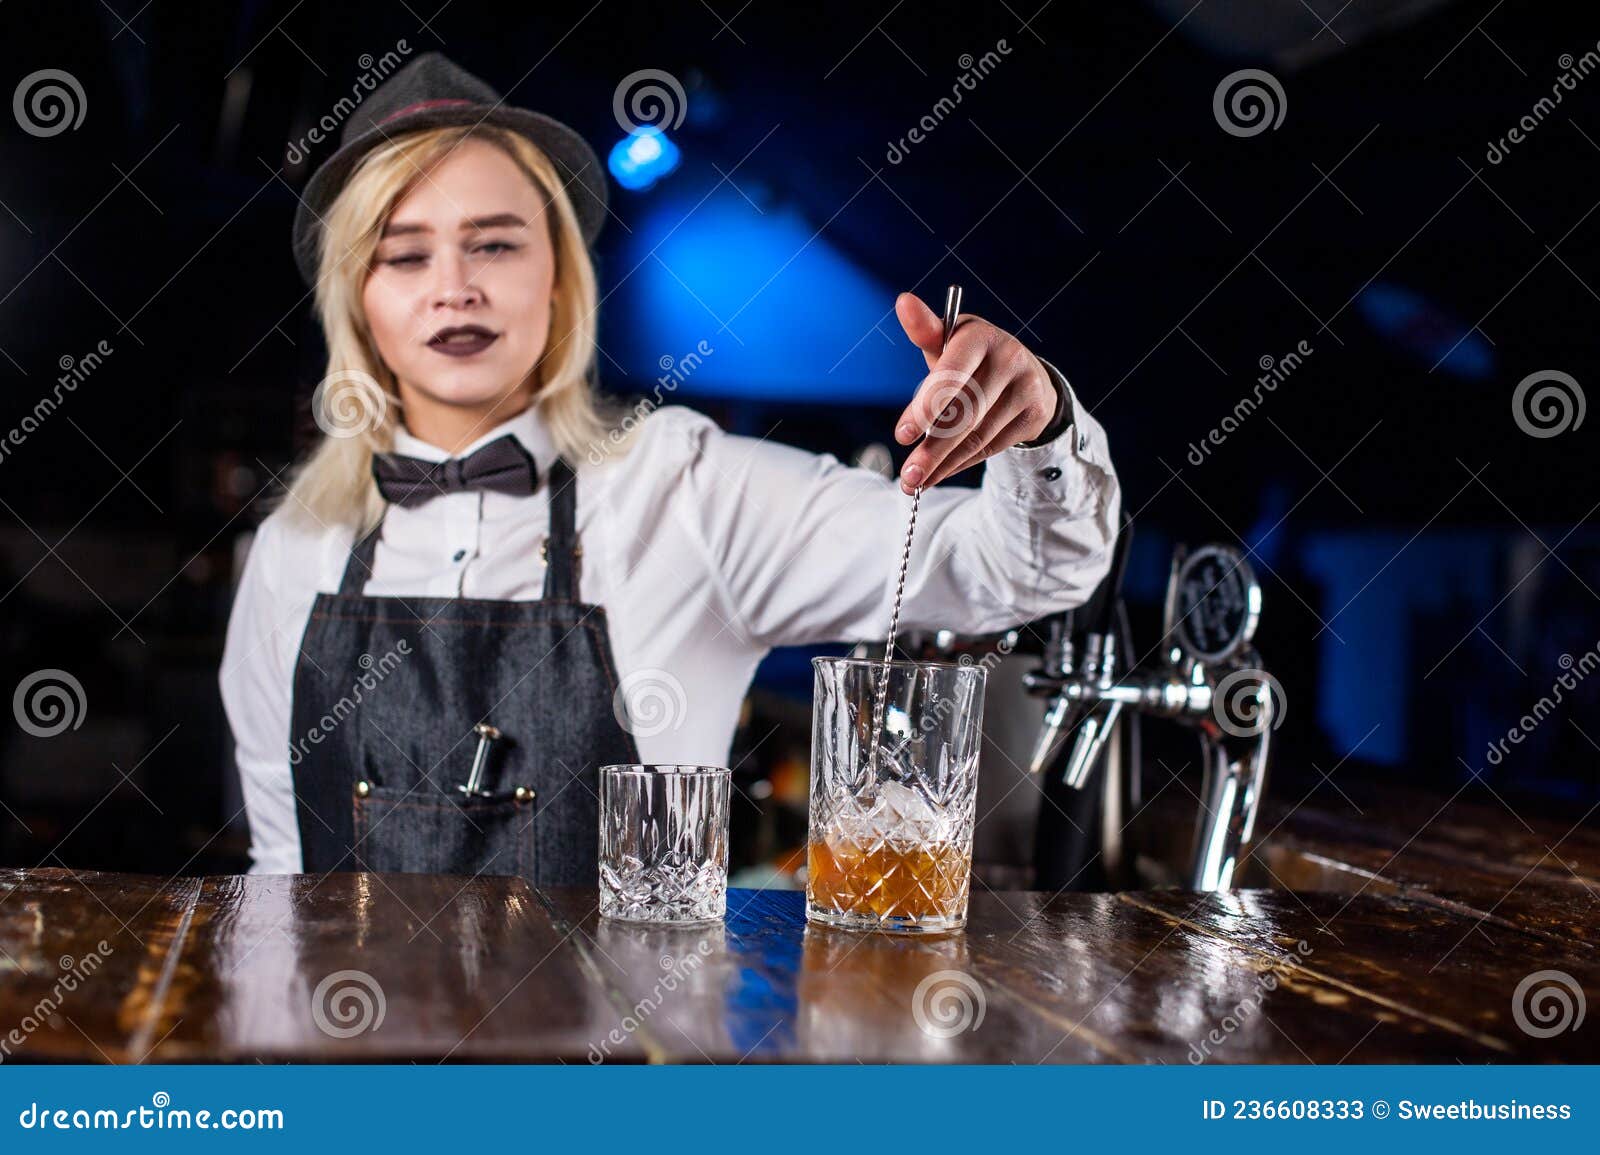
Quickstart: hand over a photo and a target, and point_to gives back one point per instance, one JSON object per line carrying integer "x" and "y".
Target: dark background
{"x": 1427, "y": 563}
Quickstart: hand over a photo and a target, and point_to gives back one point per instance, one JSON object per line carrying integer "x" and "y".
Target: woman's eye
{"x": 413, "y": 260}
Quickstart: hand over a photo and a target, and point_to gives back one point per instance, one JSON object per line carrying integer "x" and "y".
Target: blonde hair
{"x": 358, "y": 404}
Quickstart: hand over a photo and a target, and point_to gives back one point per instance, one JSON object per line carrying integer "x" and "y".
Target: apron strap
{"x": 359, "y": 566}
{"x": 561, "y": 550}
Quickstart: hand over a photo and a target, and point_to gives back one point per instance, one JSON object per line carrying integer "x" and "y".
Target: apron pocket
{"x": 425, "y": 832}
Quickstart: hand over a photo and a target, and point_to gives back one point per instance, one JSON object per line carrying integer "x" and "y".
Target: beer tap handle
{"x": 1060, "y": 719}
{"x": 1058, "y": 650}
{"x": 1093, "y": 731}
{"x": 1234, "y": 783}
{"x": 1077, "y": 648}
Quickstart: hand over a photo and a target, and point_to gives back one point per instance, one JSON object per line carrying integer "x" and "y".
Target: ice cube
{"x": 903, "y": 807}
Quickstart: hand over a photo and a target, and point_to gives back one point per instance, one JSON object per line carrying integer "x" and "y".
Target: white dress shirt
{"x": 706, "y": 550}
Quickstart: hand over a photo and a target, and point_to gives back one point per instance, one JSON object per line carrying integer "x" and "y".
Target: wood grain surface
{"x": 363, "y": 967}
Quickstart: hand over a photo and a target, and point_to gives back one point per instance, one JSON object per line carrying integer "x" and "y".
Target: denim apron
{"x": 387, "y": 691}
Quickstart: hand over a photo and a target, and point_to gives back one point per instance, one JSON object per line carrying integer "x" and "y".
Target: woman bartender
{"x": 476, "y": 591}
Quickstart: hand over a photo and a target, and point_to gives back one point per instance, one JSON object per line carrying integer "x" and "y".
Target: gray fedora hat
{"x": 434, "y": 92}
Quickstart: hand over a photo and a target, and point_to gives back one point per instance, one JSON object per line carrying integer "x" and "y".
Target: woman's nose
{"x": 453, "y": 283}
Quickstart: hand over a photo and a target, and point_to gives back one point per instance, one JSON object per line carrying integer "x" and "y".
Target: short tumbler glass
{"x": 891, "y": 836}
{"x": 664, "y": 842}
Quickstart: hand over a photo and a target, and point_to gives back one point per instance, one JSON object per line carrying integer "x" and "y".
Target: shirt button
{"x": 458, "y": 555}
{"x": 1050, "y": 474}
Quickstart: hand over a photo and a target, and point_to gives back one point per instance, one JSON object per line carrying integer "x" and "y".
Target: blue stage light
{"x": 790, "y": 317}
{"x": 1426, "y": 330}
{"x": 642, "y": 158}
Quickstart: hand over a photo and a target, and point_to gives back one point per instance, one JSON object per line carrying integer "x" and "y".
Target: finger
{"x": 1007, "y": 414}
{"x": 950, "y": 379}
{"x": 922, "y": 325}
{"x": 1007, "y": 436}
{"x": 974, "y": 414}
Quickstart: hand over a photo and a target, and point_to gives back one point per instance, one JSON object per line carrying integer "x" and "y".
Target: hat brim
{"x": 581, "y": 174}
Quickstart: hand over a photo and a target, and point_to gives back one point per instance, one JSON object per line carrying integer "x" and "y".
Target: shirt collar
{"x": 528, "y": 427}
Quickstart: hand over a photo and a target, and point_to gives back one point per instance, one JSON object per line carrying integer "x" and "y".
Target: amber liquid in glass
{"x": 889, "y": 879}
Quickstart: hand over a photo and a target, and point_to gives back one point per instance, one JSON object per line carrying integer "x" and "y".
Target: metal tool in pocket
{"x": 473, "y": 787}
{"x": 487, "y": 736}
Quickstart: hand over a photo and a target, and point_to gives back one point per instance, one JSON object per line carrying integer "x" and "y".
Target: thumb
{"x": 922, "y": 325}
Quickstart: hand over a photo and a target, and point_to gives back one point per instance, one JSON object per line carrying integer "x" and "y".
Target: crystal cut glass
{"x": 664, "y": 842}
{"x": 890, "y": 845}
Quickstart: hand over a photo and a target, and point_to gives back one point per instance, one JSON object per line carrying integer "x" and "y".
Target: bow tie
{"x": 503, "y": 465}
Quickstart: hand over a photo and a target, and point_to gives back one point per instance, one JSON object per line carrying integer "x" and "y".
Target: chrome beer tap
{"x": 1209, "y": 678}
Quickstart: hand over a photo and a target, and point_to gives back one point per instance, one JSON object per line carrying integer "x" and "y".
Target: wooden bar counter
{"x": 1367, "y": 943}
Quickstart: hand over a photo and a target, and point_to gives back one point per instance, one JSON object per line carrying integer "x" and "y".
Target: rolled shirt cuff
{"x": 1067, "y": 467}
